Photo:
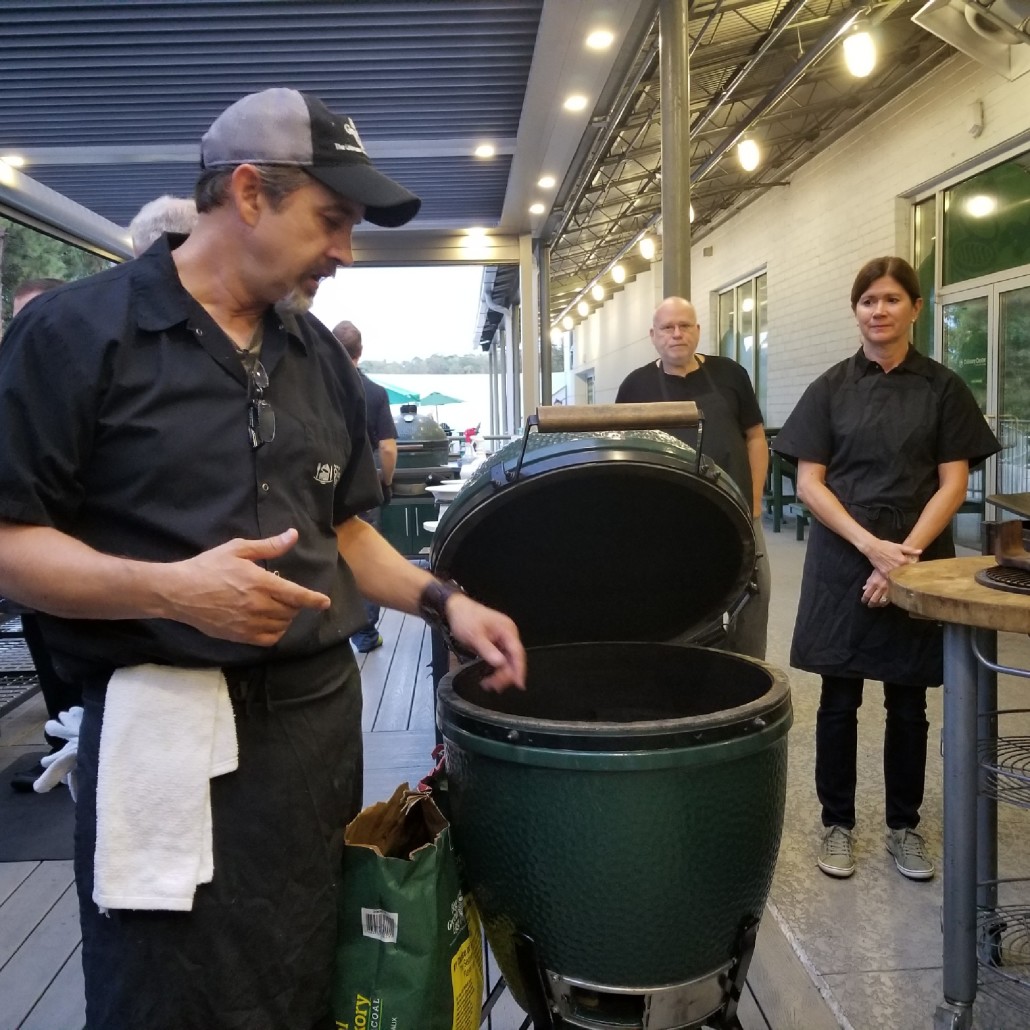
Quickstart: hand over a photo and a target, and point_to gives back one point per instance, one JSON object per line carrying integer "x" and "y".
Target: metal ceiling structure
{"x": 106, "y": 102}
{"x": 770, "y": 70}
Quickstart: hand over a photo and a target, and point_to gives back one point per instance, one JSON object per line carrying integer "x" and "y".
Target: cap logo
{"x": 351, "y": 129}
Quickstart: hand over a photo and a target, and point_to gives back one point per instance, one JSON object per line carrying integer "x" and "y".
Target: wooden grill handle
{"x": 575, "y": 418}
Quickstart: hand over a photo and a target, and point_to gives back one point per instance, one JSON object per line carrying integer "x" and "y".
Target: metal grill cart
{"x": 981, "y": 767}
{"x": 620, "y": 819}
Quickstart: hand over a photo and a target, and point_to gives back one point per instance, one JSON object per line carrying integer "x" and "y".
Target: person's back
{"x": 382, "y": 437}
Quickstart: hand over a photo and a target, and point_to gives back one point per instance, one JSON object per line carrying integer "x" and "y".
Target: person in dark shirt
{"x": 734, "y": 436}
{"x": 382, "y": 438}
{"x": 58, "y": 695}
{"x": 191, "y": 518}
{"x": 884, "y": 441}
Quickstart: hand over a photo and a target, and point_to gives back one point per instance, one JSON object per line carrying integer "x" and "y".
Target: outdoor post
{"x": 544, "y": 279}
{"x": 528, "y": 322}
{"x": 674, "y": 71}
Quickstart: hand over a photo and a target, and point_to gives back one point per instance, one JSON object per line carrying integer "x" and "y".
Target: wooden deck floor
{"x": 40, "y": 974}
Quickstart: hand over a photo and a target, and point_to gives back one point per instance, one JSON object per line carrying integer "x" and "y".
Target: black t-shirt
{"x": 882, "y": 435}
{"x": 725, "y": 444}
{"x": 378, "y": 419}
{"x": 123, "y": 412}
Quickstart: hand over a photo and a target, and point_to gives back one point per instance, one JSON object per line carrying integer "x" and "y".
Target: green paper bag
{"x": 409, "y": 952}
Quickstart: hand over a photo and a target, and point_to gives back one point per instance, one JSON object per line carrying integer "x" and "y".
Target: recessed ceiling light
{"x": 575, "y": 102}
{"x": 536, "y": 209}
{"x": 619, "y": 273}
{"x": 568, "y": 323}
{"x": 556, "y": 337}
{"x": 546, "y": 182}
{"x": 600, "y": 39}
{"x": 647, "y": 249}
{"x": 597, "y": 292}
{"x": 485, "y": 150}
{"x": 583, "y": 308}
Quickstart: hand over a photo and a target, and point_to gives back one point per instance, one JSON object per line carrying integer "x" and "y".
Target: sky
{"x": 405, "y": 313}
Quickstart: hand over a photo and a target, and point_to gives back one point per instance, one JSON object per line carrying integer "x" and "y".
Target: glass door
{"x": 965, "y": 342}
{"x": 1013, "y": 302}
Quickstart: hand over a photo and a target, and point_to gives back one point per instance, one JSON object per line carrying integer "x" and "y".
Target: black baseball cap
{"x": 285, "y": 127}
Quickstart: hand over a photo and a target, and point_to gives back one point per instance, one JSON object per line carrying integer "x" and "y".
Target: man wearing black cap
{"x": 189, "y": 526}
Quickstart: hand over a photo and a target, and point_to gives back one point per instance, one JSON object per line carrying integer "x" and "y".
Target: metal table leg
{"x": 960, "y": 783}
{"x": 987, "y": 802}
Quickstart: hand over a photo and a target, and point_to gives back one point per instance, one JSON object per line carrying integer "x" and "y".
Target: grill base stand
{"x": 555, "y": 1001}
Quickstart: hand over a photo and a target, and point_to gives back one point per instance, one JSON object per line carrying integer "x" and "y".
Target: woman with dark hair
{"x": 884, "y": 441}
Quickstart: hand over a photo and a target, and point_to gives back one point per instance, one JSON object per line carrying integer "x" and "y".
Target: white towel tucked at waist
{"x": 166, "y": 732}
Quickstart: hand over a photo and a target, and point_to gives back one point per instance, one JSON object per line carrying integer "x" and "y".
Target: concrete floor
{"x": 872, "y": 943}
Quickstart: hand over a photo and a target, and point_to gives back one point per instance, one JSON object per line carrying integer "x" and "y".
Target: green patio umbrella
{"x": 435, "y": 400}
{"x": 396, "y": 394}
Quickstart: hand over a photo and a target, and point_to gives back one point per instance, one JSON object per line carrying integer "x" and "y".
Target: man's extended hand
{"x": 492, "y": 636}
{"x": 223, "y": 593}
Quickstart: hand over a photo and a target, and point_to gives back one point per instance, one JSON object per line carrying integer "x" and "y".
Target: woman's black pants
{"x": 836, "y": 751}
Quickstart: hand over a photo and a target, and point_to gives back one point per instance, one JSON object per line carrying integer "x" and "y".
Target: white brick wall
{"x": 840, "y": 210}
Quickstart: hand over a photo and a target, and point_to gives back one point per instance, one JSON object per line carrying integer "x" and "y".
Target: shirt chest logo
{"x": 327, "y": 473}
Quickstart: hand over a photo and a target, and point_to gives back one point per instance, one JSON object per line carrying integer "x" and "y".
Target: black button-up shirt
{"x": 123, "y": 419}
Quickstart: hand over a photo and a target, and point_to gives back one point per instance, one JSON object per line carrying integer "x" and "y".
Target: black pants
{"x": 58, "y": 695}
{"x": 256, "y": 952}
{"x": 904, "y": 751}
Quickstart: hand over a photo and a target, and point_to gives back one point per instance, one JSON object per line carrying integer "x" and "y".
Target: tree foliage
{"x": 475, "y": 362}
{"x": 31, "y": 254}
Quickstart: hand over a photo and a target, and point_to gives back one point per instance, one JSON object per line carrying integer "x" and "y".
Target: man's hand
{"x": 387, "y": 491}
{"x": 492, "y": 636}
{"x": 223, "y": 593}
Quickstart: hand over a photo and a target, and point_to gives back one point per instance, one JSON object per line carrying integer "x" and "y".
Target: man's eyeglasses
{"x": 260, "y": 416}
{"x": 671, "y": 327}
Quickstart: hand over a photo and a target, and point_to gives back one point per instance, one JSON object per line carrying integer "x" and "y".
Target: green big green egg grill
{"x": 619, "y": 820}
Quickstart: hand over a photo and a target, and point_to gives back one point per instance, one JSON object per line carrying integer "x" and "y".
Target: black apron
{"x": 837, "y": 635}
{"x": 723, "y": 442}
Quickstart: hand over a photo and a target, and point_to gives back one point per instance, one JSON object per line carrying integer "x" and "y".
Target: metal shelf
{"x": 1006, "y": 761}
{"x": 1003, "y": 954}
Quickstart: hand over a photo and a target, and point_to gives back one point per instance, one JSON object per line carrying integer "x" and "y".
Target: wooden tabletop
{"x": 946, "y": 590}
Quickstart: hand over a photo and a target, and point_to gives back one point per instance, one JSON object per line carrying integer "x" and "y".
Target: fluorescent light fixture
{"x": 485, "y": 150}
{"x": 747, "y": 304}
{"x": 859, "y": 51}
{"x": 618, "y": 273}
{"x": 546, "y": 182}
{"x": 536, "y": 209}
{"x": 583, "y": 308}
{"x": 7, "y": 176}
{"x": 556, "y": 337}
{"x": 575, "y": 102}
{"x": 691, "y": 213}
{"x": 568, "y": 323}
{"x": 748, "y": 154}
{"x": 597, "y": 292}
{"x": 600, "y": 39}
{"x": 14, "y": 160}
{"x": 981, "y": 205}
{"x": 647, "y": 248}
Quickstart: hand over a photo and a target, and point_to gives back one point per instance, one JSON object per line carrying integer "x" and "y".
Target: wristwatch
{"x": 432, "y": 606}
{"x": 432, "y": 603}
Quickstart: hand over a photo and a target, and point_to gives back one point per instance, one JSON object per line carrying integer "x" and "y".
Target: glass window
{"x": 28, "y": 253}
{"x": 987, "y": 222}
{"x": 925, "y": 254}
{"x": 727, "y": 322}
{"x": 743, "y": 316}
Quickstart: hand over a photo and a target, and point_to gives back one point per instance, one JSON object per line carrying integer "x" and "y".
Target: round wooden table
{"x": 972, "y": 615}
